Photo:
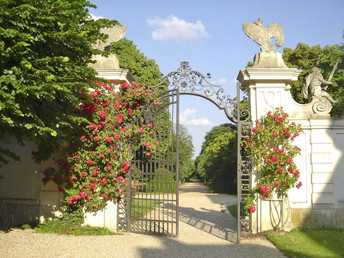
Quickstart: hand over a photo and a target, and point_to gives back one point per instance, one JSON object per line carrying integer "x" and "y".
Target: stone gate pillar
{"x": 320, "y": 200}
{"x": 267, "y": 89}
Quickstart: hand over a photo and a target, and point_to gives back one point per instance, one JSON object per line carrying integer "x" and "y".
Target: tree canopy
{"x": 145, "y": 71}
{"x": 216, "y": 164}
{"x": 45, "y": 48}
{"x": 186, "y": 150}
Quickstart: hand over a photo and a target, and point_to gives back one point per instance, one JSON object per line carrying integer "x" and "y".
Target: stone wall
{"x": 22, "y": 190}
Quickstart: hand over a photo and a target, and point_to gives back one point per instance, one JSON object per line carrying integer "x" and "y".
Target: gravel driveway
{"x": 205, "y": 231}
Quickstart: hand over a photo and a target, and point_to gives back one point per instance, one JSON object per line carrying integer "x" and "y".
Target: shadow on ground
{"x": 175, "y": 248}
{"x": 211, "y": 222}
{"x": 197, "y": 209}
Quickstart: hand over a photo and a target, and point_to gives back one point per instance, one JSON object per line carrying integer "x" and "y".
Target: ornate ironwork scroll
{"x": 190, "y": 82}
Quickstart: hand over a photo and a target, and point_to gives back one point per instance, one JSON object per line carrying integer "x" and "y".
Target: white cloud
{"x": 222, "y": 81}
{"x": 94, "y": 17}
{"x": 187, "y": 118}
{"x": 174, "y": 28}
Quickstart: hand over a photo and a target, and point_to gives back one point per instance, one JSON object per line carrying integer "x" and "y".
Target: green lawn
{"x": 159, "y": 184}
{"x": 233, "y": 210}
{"x": 313, "y": 242}
{"x": 64, "y": 227}
{"x": 139, "y": 208}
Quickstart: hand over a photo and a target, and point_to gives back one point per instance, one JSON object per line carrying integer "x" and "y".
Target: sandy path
{"x": 204, "y": 232}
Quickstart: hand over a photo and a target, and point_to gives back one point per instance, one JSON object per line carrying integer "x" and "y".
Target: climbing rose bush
{"x": 96, "y": 160}
{"x": 273, "y": 153}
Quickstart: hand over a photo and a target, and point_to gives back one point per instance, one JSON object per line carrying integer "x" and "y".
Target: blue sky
{"x": 209, "y": 35}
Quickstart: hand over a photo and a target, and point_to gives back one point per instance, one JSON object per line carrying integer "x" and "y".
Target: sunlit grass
{"x": 64, "y": 227}
{"x": 313, "y": 242}
{"x": 140, "y": 207}
{"x": 233, "y": 210}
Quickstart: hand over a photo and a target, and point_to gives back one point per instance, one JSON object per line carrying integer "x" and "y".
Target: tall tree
{"x": 216, "y": 164}
{"x": 45, "y": 48}
{"x": 186, "y": 150}
{"x": 145, "y": 71}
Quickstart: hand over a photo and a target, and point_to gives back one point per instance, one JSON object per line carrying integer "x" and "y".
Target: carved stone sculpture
{"x": 312, "y": 89}
{"x": 262, "y": 35}
{"x": 267, "y": 58}
{"x": 115, "y": 33}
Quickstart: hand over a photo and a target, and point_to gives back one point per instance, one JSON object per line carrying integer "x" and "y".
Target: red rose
{"x": 109, "y": 139}
{"x": 103, "y": 182}
{"x": 90, "y": 162}
{"x": 289, "y": 160}
{"x": 102, "y": 114}
{"x": 252, "y": 209}
{"x": 125, "y": 85}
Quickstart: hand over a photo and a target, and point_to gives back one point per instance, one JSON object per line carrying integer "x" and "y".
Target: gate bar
{"x": 238, "y": 165}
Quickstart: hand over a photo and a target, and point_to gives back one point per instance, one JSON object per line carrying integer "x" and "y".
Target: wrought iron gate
{"x": 151, "y": 205}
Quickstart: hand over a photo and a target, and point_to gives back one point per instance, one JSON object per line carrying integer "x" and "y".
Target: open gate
{"x": 152, "y": 199}
{"x": 151, "y": 203}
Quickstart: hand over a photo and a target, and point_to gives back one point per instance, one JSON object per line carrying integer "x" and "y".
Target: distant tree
{"x": 216, "y": 164}
{"x": 186, "y": 151}
{"x": 145, "y": 71}
{"x": 214, "y": 133}
{"x": 45, "y": 48}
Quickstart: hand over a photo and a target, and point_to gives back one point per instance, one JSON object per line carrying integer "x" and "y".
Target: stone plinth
{"x": 269, "y": 60}
{"x": 106, "y": 217}
{"x": 101, "y": 62}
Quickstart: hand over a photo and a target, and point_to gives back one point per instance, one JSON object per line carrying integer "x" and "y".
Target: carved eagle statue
{"x": 262, "y": 35}
{"x": 114, "y": 33}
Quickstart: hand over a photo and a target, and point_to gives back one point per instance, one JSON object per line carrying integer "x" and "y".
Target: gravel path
{"x": 205, "y": 231}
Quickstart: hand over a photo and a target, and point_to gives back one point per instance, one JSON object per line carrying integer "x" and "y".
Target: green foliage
{"x": 312, "y": 242}
{"x": 45, "y": 48}
{"x": 218, "y": 159}
{"x": 305, "y": 57}
{"x": 145, "y": 71}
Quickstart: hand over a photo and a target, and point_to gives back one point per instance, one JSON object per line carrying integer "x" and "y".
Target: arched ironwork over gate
{"x": 153, "y": 208}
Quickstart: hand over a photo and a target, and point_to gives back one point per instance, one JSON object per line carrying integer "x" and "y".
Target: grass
{"x": 312, "y": 242}
{"x": 66, "y": 227}
{"x": 62, "y": 227}
{"x": 140, "y": 208}
{"x": 233, "y": 210}
{"x": 159, "y": 184}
